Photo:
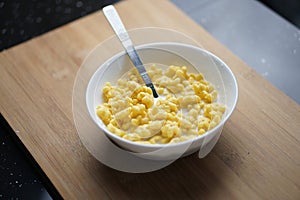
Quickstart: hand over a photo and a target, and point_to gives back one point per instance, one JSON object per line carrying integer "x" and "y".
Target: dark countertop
{"x": 23, "y": 20}
{"x": 20, "y": 176}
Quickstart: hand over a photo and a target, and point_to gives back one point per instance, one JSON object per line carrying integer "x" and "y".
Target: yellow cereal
{"x": 147, "y": 101}
{"x": 192, "y": 132}
{"x": 143, "y": 131}
{"x": 184, "y": 101}
{"x": 156, "y": 139}
{"x": 184, "y": 123}
{"x": 104, "y": 113}
{"x": 201, "y": 131}
{"x": 186, "y": 108}
{"x": 115, "y": 130}
{"x": 171, "y": 71}
{"x": 175, "y": 140}
{"x": 137, "y": 110}
{"x": 176, "y": 88}
{"x": 180, "y": 74}
{"x": 199, "y": 77}
{"x": 132, "y": 137}
{"x": 170, "y": 129}
{"x": 186, "y": 137}
{"x": 160, "y": 90}
{"x": 172, "y": 117}
{"x": 203, "y": 123}
{"x": 165, "y": 140}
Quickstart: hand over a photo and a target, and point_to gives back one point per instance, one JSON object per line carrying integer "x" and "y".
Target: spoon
{"x": 116, "y": 23}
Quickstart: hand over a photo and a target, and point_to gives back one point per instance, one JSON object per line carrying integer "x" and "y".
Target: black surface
{"x": 289, "y": 9}
{"x": 20, "y": 175}
{"x": 25, "y": 19}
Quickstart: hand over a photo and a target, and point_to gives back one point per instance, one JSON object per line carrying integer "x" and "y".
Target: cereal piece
{"x": 171, "y": 71}
{"x": 184, "y": 101}
{"x": 165, "y": 140}
{"x": 180, "y": 74}
{"x": 186, "y": 124}
{"x": 155, "y": 139}
{"x": 118, "y": 105}
{"x": 143, "y": 131}
{"x": 214, "y": 122}
{"x": 172, "y": 117}
{"x": 133, "y": 85}
{"x": 194, "y": 113}
{"x": 140, "y": 120}
{"x": 197, "y": 77}
{"x": 175, "y": 140}
{"x": 155, "y": 126}
{"x": 186, "y": 137}
{"x": 107, "y": 94}
{"x": 122, "y": 83}
{"x": 156, "y": 114}
{"x": 132, "y": 137}
{"x": 203, "y": 123}
{"x": 170, "y": 129}
{"x": 137, "y": 110}
{"x": 104, "y": 114}
{"x": 206, "y": 110}
{"x": 201, "y": 131}
{"x": 210, "y": 97}
{"x": 221, "y": 108}
{"x": 160, "y": 90}
{"x": 163, "y": 81}
{"x": 176, "y": 88}
{"x": 122, "y": 115}
{"x": 115, "y": 130}
{"x": 138, "y": 90}
{"x": 185, "y": 83}
{"x": 147, "y": 100}
{"x": 192, "y": 131}
{"x": 172, "y": 99}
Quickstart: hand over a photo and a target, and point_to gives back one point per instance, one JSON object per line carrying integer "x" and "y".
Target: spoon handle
{"x": 115, "y": 21}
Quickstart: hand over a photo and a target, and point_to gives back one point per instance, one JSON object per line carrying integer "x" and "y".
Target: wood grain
{"x": 257, "y": 156}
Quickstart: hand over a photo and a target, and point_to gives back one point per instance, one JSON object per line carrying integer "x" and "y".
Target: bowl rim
{"x": 106, "y": 64}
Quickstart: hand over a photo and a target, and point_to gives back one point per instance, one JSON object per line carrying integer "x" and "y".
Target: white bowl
{"x": 214, "y": 71}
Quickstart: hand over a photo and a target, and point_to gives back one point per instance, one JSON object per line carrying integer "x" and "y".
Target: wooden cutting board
{"x": 257, "y": 156}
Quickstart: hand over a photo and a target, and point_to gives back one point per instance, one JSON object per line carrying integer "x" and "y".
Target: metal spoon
{"x": 115, "y": 21}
